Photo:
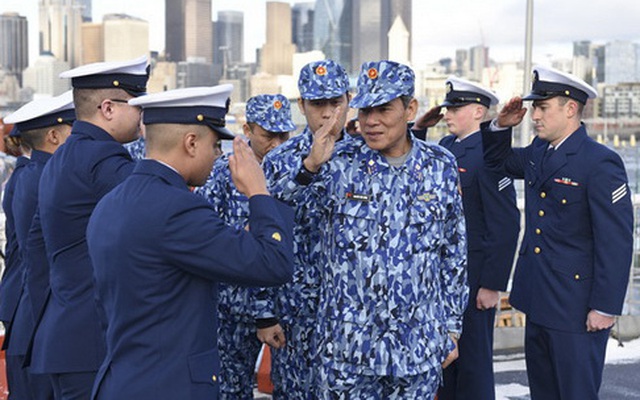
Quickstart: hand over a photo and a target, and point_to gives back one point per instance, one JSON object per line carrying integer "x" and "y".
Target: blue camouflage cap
{"x": 324, "y": 79}
{"x": 271, "y": 111}
{"x": 380, "y": 82}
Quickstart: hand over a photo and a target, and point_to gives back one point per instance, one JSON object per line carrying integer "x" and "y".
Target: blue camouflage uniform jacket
{"x": 394, "y": 245}
{"x": 299, "y": 298}
{"x": 234, "y": 302}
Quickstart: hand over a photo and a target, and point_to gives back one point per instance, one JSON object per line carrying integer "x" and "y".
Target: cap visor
{"x": 223, "y": 133}
{"x": 367, "y": 100}
{"x": 533, "y": 96}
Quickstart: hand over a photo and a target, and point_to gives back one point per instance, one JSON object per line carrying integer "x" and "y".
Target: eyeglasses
{"x": 117, "y": 101}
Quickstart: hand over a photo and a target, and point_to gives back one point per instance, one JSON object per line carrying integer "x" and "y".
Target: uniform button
{"x": 577, "y": 276}
{"x": 214, "y": 378}
{"x": 543, "y": 194}
{"x": 537, "y": 250}
{"x": 564, "y": 201}
{"x": 541, "y": 213}
{"x": 530, "y": 183}
{"x": 538, "y": 231}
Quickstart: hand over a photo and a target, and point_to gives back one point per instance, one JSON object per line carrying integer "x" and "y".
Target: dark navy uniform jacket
{"x": 491, "y": 216}
{"x": 576, "y": 251}
{"x": 11, "y": 277}
{"x": 158, "y": 251}
{"x": 70, "y": 336}
{"x": 24, "y": 209}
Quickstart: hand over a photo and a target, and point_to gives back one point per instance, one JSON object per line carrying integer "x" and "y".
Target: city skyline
{"x": 439, "y": 28}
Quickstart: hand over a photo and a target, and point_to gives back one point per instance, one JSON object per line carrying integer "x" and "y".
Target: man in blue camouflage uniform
{"x": 393, "y": 290}
{"x": 268, "y": 125}
{"x": 323, "y": 87}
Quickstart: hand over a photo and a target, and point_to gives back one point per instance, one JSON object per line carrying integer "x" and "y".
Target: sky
{"x": 439, "y": 26}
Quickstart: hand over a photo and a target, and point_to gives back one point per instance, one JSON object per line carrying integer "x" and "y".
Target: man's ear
{"x": 412, "y": 109}
{"x": 301, "y": 105}
{"x": 106, "y": 108}
{"x": 190, "y": 143}
{"x": 572, "y": 108}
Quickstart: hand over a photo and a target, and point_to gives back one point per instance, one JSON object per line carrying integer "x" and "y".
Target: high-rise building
{"x": 399, "y": 42}
{"x": 43, "y": 76}
{"x": 92, "y": 42}
{"x": 188, "y": 30}
{"x": 85, "y": 6}
{"x": 621, "y": 100}
{"x": 198, "y": 30}
{"x": 478, "y": 61}
{"x": 112, "y": 40}
{"x": 174, "y": 30}
{"x": 228, "y": 39}
{"x": 14, "y": 51}
{"x": 302, "y": 29}
{"x": 333, "y": 30}
{"x": 621, "y": 59}
{"x": 125, "y": 37}
{"x": 371, "y": 23}
{"x": 462, "y": 62}
{"x": 277, "y": 52}
{"x": 582, "y": 63}
{"x": 60, "y": 27}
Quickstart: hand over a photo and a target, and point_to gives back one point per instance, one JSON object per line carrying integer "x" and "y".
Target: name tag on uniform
{"x": 359, "y": 197}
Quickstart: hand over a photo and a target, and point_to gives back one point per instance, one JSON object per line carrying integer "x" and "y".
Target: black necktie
{"x": 548, "y": 153}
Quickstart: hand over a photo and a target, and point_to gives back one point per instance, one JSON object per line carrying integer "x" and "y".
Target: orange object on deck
{"x": 4, "y": 387}
{"x": 264, "y": 371}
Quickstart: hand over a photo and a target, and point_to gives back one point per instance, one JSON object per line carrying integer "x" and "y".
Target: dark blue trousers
{"x": 73, "y": 386}
{"x": 470, "y": 377}
{"x": 564, "y": 365}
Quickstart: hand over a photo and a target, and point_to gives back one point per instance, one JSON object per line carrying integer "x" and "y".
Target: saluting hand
{"x": 324, "y": 140}
{"x": 512, "y": 113}
{"x": 246, "y": 173}
{"x": 429, "y": 119}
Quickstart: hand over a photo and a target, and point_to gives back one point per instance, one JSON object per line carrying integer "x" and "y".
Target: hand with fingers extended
{"x": 429, "y": 119}
{"x": 272, "y": 336}
{"x": 246, "y": 173}
{"x": 512, "y": 113}
{"x": 324, "y": 140}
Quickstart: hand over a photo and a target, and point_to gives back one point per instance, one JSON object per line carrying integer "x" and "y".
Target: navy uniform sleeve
{"x": 114, "y": 165}
{"x": 498, "y": 154}
{"x": 611, "y": 213}
{"x": 24, "y": 207}
{"x": 502, "y": 219}
{"x": 201, "y": 243}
